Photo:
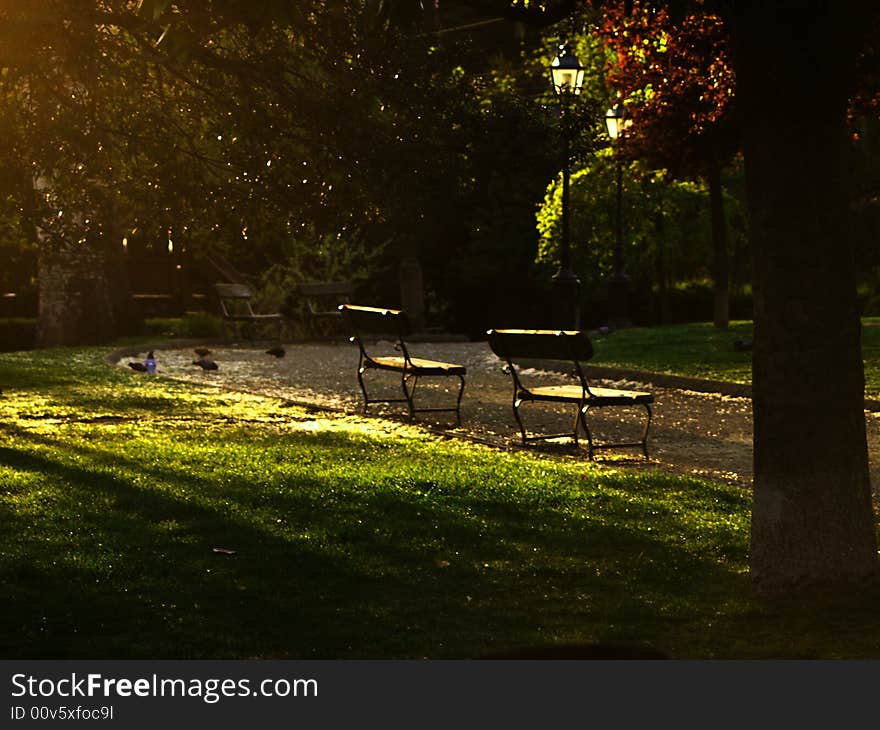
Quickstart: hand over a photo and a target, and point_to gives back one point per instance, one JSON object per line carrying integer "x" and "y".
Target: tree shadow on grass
{"x": 121, "y": 564}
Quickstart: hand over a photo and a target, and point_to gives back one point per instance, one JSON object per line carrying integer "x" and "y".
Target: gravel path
{"x": 703, "y": 434}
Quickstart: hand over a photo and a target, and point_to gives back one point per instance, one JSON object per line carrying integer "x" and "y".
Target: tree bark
{"x": 75, "y": 296}
{"x": 812, "y": 518}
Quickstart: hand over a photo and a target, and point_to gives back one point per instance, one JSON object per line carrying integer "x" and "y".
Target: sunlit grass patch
{"x": 695, "y": 350}
{"x": 700, "y": 350}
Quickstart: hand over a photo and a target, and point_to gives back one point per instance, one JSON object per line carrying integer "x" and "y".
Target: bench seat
{"x": 595, "y": 397}
{"x": 417, "y": 364}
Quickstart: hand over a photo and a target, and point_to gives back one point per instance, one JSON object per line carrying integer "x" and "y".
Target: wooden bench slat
{"x": 595, "y": 396}
{"x": 419, "y": 365}
{"x": 233, "y": 291}
{"x": 541, "y": 344}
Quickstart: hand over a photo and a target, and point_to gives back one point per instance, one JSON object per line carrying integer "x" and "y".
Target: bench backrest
{"x": 235, "y": 299}
{"x": 226, "y": 290}
{"x": 376, "y": 320}
{"x": 325, "y": 298}
{"x": 390, "y": 324}
{"x": 570, "y": 345}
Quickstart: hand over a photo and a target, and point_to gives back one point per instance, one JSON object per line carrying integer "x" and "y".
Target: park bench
{"x": 323, "y": 300}
{"x": 574, "y": 348}
{"x": 235, "y": 306}
{"x": 393, "y": 323}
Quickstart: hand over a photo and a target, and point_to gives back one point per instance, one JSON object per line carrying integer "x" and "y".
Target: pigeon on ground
{"x": 276, "y": 351}
{"x": 206, "y": 363}
{"x": 150, "y": 363}
{"x": 202, "y": 351}
{"x": 138, "y": 366}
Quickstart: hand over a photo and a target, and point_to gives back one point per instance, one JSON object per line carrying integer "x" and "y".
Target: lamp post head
{"x": 566, "y": 72}
{"x": 616, "y": 121}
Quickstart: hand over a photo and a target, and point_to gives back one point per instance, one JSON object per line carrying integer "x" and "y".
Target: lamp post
{"x": 618, "y": 285}
{"x": 568, "y": 76}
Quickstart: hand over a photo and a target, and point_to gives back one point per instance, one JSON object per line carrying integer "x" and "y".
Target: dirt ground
{"x": 703, "y": 434}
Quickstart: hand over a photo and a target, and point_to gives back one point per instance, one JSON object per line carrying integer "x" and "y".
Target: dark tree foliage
{"x": 400, "y": 147}
{"x": 93, "y": 139}
{"x": 864, "y": 168}
{"x": 286, "y": 136}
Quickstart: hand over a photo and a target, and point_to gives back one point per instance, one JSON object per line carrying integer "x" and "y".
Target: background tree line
{"x": 325, "y": 143}
{"x": 335, "y": 140}
{"x": 352, "y": 139}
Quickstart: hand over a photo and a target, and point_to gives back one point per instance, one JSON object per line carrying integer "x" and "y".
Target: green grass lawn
{"x": 352, "y": 537}
{"x": 701, "y": 351}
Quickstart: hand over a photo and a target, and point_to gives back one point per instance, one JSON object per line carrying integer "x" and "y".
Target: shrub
{"x": 198, "y": 325}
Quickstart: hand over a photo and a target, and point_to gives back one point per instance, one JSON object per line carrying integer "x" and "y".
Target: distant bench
{"x": 573, "y": 347}
{"x": 394, "y": 324}
{"x": 235, "y": 306}
{"x": 323, "y": 300}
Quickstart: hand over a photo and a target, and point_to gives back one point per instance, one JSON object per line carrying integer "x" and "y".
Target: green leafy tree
{"x": 668, "y": 228}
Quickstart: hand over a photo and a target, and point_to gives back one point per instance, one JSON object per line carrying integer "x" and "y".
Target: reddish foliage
{"x": 677, "y": 80}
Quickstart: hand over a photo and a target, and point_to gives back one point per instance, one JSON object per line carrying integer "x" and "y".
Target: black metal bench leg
{"x": 517, "y": 402}
{"x": 577, "y": 423}
{"x": 522, "y": 429}
{"x": 409, "y": 392}
{"x": 458, "y": 401}
{"x": 361, "y": 370}
{"x": 582, "y": 415}
{"x": 647, "y": 428}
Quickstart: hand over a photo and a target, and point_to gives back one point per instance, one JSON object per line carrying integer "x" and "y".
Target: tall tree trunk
{"x": 720, "y": 257}
{"x": 812, "y": 520}
{"x": 75, "y": 303}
